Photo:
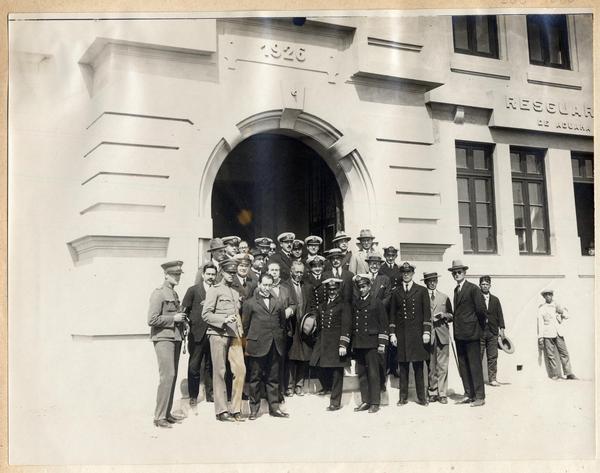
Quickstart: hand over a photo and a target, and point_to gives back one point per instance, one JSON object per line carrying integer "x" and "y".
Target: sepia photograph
{"x": 304, "y": 238}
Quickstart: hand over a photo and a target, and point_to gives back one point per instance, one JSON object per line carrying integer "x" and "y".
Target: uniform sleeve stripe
{"x": 345, "y": 339}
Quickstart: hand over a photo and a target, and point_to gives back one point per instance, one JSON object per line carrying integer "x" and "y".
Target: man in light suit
{"x": 470, "y": 315}
{"x": 441, "y": 316}
{"x": 358, "y": 264}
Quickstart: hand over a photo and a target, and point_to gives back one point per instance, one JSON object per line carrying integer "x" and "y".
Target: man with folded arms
{"x": 369, "y": 338}
{"x": 222, "y": 313}
{"x": 470, "y": 315}
{"x": 264, "y": 321}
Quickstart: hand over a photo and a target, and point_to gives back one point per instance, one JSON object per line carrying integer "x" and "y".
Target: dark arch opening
{"x": 273, "y": 183}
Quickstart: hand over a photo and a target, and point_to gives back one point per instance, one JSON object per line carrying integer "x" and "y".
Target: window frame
{"x": 472, "y": 174}
{"x": 544, "y": 22}
{"x": 472, "y": 36}
{"x": 583, "y": 178}
{"x": 525, "y": 178}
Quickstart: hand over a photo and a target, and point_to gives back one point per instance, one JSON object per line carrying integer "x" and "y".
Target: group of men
{"x": 265, "y": 320}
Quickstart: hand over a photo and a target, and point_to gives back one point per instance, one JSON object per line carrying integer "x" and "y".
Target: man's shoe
{"x": 333, "y": 408}
{"x": 466, "y": 400}
{"x": 362, "y": 407}
{"x": 443, "y": 400}
{"x": 383, "y": 388}
{"x": 210, "y": 398}
{"x": 433, "y": 398}
{"x": 238, "y": 417}
{"x": 163, "y": 423}
{"x": 402, "y": 402}
{"x": 253, "y": 416}
{"x": 298, "y": 391}
{"x": 373, "y": 409}
{"x": 176, "y": 416}
{"x": 173, "y": 420}
{"x": 289, "y": 392}
{"x": 323, "y": 392}
{"x": 193, "y": 401}
{"x": 225, "y": 417}
{"x": 572, "y": 376}
{"x": 494, "y": 383}
{"x": 555, "y": 378}
{"x": 278, "y": 413}
{"x": 422, "y": 403}
{"x": 477, "y": 403}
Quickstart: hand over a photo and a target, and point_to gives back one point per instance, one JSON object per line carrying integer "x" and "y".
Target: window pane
{"x": 463, "y": 189}
{"x": 538, "y": 241}
{"x": 517, "y": 193}
{"x": 537, "y": 217}
{"x": 482, "y": 190}
{"x": 535, "y": 193}
{"x": 485, "y": 239}
{"x": 463, "y": 214}
{"x": 466, "y": 237}
{"x": 515, "y": 162}
{"x": 522, "y": 241}
{"x": 519, "y": 216}
{"x": 461, "y": 37}
{"x": 534, "y": 164}
{"x": 484, "y": 215}
{"x": 482, "y": 34}
{"x": 461, "y": 158}
{"x": 589, "y": 168}
{"x": 555, "y": 42}
{"x": 479, "y": 161}
{"x": 575, "y": 167}
{"x": 534, "y": 38}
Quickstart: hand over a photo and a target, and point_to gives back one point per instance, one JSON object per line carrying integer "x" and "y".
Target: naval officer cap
{"x": 361, "y": 279}
{"x": 407, "y": 267}
{"x": 297, "y": 245}
{"x": 332, "y": 282}
{"x": 229, "y": 265}
{"x": 263, "y": 241}
{"x": 172, "y": 267}
{"x": 390, "y": 250}
{"x": 317, "y": 260}
{"x": 334, "y": 252}
{"x": 313, "y": 240}
{"x": 231, "y": 240}
{"x": 286, "y": 236}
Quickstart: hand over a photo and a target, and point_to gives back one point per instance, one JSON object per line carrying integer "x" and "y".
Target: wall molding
{"x": 88, "y": 247}
{"x": 123, "y": 207}
{"x": 386, "y": 43}
{"x": 423, "y": 251}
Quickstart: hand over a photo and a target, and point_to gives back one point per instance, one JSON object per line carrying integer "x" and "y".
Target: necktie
{"x": 432, "y": 296}
{"x": 405, "y": 287}
{"x": 457, "y": 289}
{"x": 244, "y": 283}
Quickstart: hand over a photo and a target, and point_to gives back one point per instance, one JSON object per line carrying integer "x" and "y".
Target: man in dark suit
{"x": 299, "y": 352}
{"x": 341, "y": 241}
{"x": 244, "y": 282}
{"x": 198, "y": 344}
{"x": 264, "y": 321}
{"x": 410, "y": 331}
{"x": 335, "y": 258}
{"x": 283, "y": 256}
{"x": 441, "y": 316}
{"x": 390, "y": 268}
{"x": 470, "y": 315}
{"x": 494, "y": 326}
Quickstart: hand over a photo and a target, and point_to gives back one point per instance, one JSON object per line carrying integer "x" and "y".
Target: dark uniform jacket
{"x": 369, "y": 323}
{"x": 164, "y": 304}
{"x": 393, "y": 273}
{"x": 263, "y": 326}
{"x": 285, "y": 263}
{"x": 319, "y": 294}
{"x": 300, "y": 350}
{"x": 193, "y": 303}
{"x": 470, "y": 313}
{"x": 334, "y": 320}
{"x": 347, "y": 286}
{"x": 495, "y": 318}
{"x": 410, "y": 317}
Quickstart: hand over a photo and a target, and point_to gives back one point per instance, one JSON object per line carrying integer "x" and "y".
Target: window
{"x": 583, "y": 183}
{"x": 529, "y": 200}
{"x": 475, "y": 35}
{"x": 548, "y": 40}
{"x": 476, "y": 213}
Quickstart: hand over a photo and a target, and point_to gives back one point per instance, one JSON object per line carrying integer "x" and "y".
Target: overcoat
{"x": 334, "y": 320}
{"x": 369, "y": 323}
{"x": 300, "y": 350}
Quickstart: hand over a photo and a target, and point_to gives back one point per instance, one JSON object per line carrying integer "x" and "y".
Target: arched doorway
{"x": 270, "y": 183}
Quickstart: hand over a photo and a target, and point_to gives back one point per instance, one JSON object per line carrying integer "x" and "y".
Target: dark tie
{"x": 244, "y": 283}
{"x": 406, "y": 287}
{"x": 432, "y": 296}
{"x": 457, "y": 289}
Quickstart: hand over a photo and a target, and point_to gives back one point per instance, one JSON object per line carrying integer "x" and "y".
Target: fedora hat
{"x": 334, "y": 252}
{"x": 339, "y": 236}
{"x": 506, "y": 344}
{"x": 365, "y": 233}
{"x": 215, "y": 244}
{"x": 374, "y": 258}
{"x": 457, "y": 264}
{"x": 427, "y": 276}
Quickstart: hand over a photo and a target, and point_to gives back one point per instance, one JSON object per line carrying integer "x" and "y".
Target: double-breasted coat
{"x": 347, "y": 287}
{"x": 334, "y": 320}
{"x": 369, "y": 323}
{"x": 410, "y": 317}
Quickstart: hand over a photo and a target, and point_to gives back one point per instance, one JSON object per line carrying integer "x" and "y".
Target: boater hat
{"x": 457, "y": 264}
{"x": 506, "y": 344}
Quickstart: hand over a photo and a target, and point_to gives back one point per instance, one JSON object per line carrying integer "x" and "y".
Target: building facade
{"x": 135, "y": 142}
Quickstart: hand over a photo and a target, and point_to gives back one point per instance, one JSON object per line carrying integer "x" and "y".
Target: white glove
{"x": 289, "y": 312}
{"x": 342, "y": 351}
{"x": 426, "y": 337}
{"x": 393, "y": 339}
{"x": 381, "y": 349}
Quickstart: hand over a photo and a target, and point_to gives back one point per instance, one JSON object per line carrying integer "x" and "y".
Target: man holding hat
{"x": 167, "y": 324}
{"x": 358, "y": 264}
{"x": 312, "y": 244}
{"x": 222, "y": 313}
{"x": 550, "y": 318}
{"x": 369, "y": 338}
{"x": 441, "y": 317}
{"x": 494, "y": 326}
{"x": 232, "y": 244}
{"x": 410, "y": 331}
{"x": 283, "y": 256}
{"x": 470, "y": 315}
{"x": 341, "y": 241}
{"x": 335, "y": 258}
{"x": 334, "y": 320}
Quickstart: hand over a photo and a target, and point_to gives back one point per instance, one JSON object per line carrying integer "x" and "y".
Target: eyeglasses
{"x": 457, "y": 271}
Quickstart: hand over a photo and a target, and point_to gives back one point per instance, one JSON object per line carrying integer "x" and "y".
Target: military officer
{"x": 369, "y": 338}
{"x": 222, "y": 313}
{"x": 334, "y": 320}
{"x": 410, "y": 331}
{"x": 341, "y": 241}
{"x": 232, "y": 245}
{"x": 335, "y": 258}
{"x": 315, "y": 279}
{"x": 167, "y": 324}
{"x": 283, "y": 256}
{"x": 264, "y": 245}
{"x": 358, "y": 265}
{"x": 390, "y": 268}
{"x": 297, "y": 248}
{"x": 258, "y": 263}
{"x": 312, "y": 244}
{"x": 441, "y": 316}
